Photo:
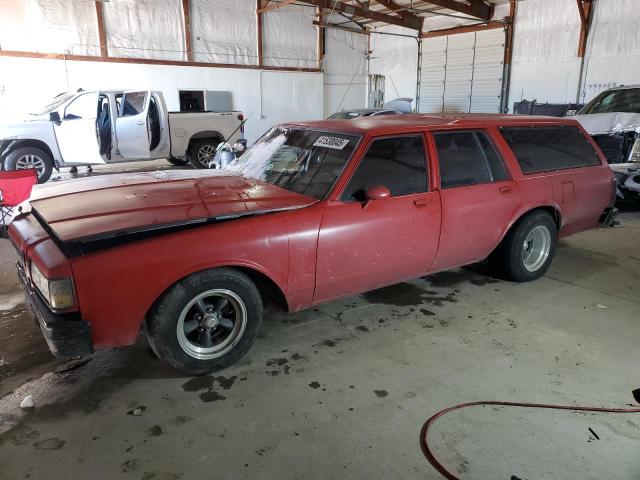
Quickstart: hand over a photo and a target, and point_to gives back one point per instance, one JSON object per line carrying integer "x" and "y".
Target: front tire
{"x": 207, "y": 321}
{"x": 24, "y": 158}
{"x": 526, "y": 252}
{"x": 202, "y": 152}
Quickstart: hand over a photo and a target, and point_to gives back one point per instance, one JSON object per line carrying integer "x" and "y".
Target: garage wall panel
{"x": 224, "y": 31}
{"x": 613, "y": 50}
{"x": 289, "y": 37}
{"x": 545, "y": 65}
{"x": 345, "y": 69}
{"x": 397, "y": 59}
{"x": 145, "y": 29}
{"x": 54, "y": 26}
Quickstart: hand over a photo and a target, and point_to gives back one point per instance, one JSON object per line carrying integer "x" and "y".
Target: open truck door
{"x": 141, "y": 128}
{"x": 77, "y": 132}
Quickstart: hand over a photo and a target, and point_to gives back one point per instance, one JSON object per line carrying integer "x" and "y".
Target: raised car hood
{"x": 604, "y": 123}
{"x": 107, "y": 206}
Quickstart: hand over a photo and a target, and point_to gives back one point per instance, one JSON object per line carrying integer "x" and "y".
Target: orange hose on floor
{"x": 424, "y": 432}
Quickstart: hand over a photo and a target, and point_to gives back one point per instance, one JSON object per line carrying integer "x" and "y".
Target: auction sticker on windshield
{"x": 331, "y": 142}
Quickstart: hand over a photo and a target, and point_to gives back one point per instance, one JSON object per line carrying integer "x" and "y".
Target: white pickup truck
{"x": 103, "y": 127}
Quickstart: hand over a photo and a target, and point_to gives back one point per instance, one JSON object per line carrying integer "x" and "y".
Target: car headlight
{"x": 59, "y": 293}
{"x": 634, "y": 156}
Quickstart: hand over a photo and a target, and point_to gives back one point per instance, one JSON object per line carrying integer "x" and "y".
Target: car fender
{"x": 30, "y": 132}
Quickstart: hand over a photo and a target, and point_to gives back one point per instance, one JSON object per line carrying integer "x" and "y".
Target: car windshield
{"x": 55, "y": 103}
{"x": 624, "y": 100}
{"x": 302, "y": 161}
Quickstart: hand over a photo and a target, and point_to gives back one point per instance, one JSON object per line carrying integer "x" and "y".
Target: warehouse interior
{"x": 343, "y": 388}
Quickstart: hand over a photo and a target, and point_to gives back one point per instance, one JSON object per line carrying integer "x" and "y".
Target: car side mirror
{"x": 379, "y": 192}
{"x": 570, "y": 113}
{"x": 54, "y": 117}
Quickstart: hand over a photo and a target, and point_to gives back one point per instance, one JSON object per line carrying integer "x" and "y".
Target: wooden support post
{"x": 259, "y": 6}
{"x": 320, "y": 46}
{"x": 585, "y": 9}
{"x": 102, "y": 34}
{"x": 186, "y": 11}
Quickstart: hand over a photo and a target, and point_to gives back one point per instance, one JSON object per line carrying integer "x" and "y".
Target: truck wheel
{"x": 202, "y": 152}
{"x": 526, "y": 252}
{"x": 177, "y": 161}
{"x": 207, "y": 321}
{"x": 30, "y": 157}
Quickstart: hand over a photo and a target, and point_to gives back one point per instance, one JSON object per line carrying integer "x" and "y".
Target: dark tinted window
{"x": 540, "y": 149}
{"x": 467, "y": 158}
{"x": 397, "y": 163}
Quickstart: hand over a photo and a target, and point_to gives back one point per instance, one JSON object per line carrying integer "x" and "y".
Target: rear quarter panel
{"x": 580, "y": 195}
{"x": 184, "y": 125}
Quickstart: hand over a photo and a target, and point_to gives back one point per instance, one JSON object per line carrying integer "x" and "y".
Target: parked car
{"x": 362, "y": 112}
{"x": 399, "y": 106}
{"x": 613, "y": 119}
{"x": 311, "y": 212}
{"x": 91, "y": 128}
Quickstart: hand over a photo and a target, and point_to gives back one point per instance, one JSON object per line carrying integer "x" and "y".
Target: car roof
{"x": 622, "y": 87}
{"x": 397, "y": 123}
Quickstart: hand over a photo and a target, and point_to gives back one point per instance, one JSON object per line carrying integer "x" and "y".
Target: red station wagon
{"x": 312, "y": 212}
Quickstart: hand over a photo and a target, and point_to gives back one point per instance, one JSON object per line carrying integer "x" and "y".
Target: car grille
{"x": 617, "y": 146}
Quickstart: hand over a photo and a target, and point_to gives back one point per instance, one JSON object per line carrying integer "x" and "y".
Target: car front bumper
{"x": 66, "y": 334}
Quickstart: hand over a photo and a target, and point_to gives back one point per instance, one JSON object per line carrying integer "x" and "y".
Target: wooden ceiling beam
{"x": 475, "y": 8}
{"x": 414, "y": 22}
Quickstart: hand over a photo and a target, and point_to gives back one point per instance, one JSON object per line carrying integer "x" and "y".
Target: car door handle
{"x": 506, "y": 189}
{"x": 421, "y": 202}
{"x": 140, "y": 122}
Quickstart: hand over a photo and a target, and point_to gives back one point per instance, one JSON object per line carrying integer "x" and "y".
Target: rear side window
{"x": 542, "y": 149}
{"x": 468, "y": 158}
{"x": 398, "y": 163}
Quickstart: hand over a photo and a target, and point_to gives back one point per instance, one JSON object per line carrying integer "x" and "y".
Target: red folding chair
{"x": 15, "y": 188}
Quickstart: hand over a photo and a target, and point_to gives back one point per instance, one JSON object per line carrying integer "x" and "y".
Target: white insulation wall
{"x": 613, "y": 48}
{"x": 145, "y": 29}
{"x": 397, "y": 59}
{"x": 223, "y": 31}
{"x": 345, "y": 69}
{"x": 545, "y": 62}
{"x": 52, "y": 26}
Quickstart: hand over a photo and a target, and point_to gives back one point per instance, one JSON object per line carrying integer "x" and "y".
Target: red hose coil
{"x": 424, "y": 432}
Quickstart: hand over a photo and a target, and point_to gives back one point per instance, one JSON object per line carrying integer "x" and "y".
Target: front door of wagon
{"x": 364, "y": 244}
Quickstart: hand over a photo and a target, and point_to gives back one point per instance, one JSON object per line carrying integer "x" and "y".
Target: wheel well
{"x": 29, "y": 143}
{"x": 554, "y": 212}
{"x": 269, "y": 290}
{"x": 205, "y": 135}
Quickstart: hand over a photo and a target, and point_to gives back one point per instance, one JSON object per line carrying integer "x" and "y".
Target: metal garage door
{"x": 462, "y": 72}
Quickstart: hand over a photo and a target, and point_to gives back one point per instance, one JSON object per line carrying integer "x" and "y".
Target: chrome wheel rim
{"x": 206, "y": 154}
{"x": 536, "y": 248}
{"x": 26, "y": 162}
{"x": 211, "y": 324}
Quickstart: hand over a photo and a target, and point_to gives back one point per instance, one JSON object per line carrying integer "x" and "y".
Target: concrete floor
{"x": 342, "y": 391}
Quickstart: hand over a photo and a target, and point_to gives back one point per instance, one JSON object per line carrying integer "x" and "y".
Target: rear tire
{"x": 23, "y": 158}
{"x": 526, "y": 252}
{"x": 207, "y": 321}
{"x": 202, "y": 152}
